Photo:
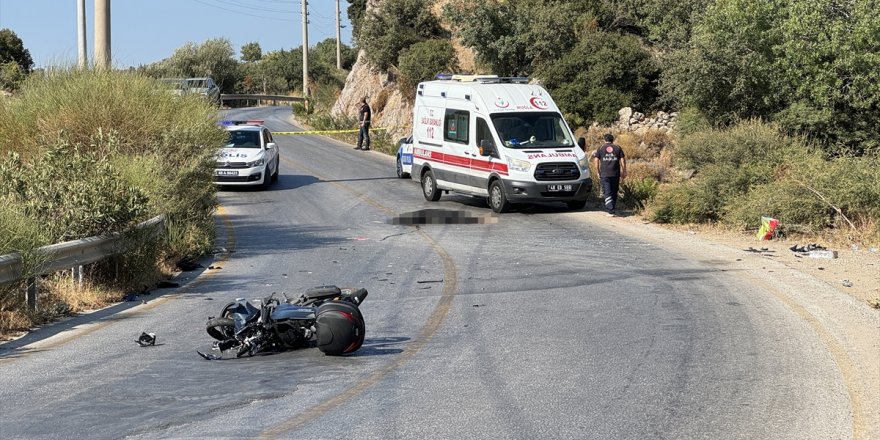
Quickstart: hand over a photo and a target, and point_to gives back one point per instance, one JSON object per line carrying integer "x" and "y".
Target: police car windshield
{"x": 532, "y": 130}
{"x": 243, "y": 139}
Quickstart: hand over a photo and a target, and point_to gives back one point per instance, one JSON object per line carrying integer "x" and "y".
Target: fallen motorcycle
{"x": 327, "y": 316}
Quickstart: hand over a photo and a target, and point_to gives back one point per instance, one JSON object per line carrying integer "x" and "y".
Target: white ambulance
{"x": 500, "y": 138}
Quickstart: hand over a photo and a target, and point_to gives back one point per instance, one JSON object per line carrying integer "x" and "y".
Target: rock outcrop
{"x": 390, "y": 109}
{"x": 638, "y": 123}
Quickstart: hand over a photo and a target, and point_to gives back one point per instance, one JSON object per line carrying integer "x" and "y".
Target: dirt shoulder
{"x": 813, "y": 289}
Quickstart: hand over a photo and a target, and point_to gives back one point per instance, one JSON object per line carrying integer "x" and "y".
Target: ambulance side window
{"x": 457, "y": 126}
{"x": 483, "y": 132}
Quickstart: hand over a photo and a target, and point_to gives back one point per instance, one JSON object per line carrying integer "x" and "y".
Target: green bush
{"x": 71, "y": 193}
{"x": 727, "y": 165}
{"x": 422, "y": 61}
{"x": 396, "y": 25}
{"x": 637, "y": 193}
{"x": 101, "y": 150}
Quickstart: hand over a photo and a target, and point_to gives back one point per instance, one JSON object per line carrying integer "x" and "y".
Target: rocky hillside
{"x": 390, "y": 109}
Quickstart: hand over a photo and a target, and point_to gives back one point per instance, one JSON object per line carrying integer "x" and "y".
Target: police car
{"x": 404, "y": 157}
{"x": 249, "y": 157}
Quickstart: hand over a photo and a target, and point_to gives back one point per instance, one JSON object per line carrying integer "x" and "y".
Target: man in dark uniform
{"x": 611, "y": 169}
{"x": 364, "y": 116}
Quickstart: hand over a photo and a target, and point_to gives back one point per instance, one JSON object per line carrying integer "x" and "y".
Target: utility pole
{"x": 102, "y": 34}
{"x": 338, "y": 39}
{"x": 305, "y": 24}
{"x": 81, "y": 44}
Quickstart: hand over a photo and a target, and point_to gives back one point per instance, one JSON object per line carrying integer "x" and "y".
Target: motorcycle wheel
{"x": 221, "y": 329}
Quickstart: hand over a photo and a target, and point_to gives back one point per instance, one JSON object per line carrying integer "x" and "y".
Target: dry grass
{"x": 77, "y": 298}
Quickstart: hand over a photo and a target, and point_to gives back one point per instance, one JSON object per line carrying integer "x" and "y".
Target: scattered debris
{"x": 210, "y": 357}
{"x": 846, "y": 283}
{"x": 767, "y": 231}
{"x": 146, "y": 339}
{"x": 814, "y": 250}
{"x": 874, "y": 302}
{"x": 187, "y": 265}
{"x": 807, "y": 248}
{"x": 759, "y": 251}
{"x": 215, "y": 267}
{"x": 479, "y": 305}
{"x": 166, "y": 284}
{"x": 830, "y": 255}
{"x": 429, "y": 281}
{"x": 209, "y": 299}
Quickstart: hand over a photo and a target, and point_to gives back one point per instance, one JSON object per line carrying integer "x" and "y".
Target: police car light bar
{"x": 228, "y": 122}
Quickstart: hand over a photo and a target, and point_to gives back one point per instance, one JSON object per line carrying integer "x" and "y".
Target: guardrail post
{"x": 31, "y": 293}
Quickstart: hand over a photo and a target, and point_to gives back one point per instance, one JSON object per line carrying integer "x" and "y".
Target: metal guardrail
{"x": 70, "y": 254}
{"x": 233, "y": 97}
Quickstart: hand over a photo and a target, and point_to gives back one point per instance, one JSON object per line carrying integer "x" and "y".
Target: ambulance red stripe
{"x": 459, "y": 161}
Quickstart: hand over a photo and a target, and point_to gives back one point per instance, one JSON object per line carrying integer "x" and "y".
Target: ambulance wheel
{"x": 497, "y": 200}
{"x": 400, "y": 172}
{"x": 429, "y": 187}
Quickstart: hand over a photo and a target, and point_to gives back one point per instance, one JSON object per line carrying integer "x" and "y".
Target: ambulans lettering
{"x": 550, "y": 155}
{"x": 421, "y": 152}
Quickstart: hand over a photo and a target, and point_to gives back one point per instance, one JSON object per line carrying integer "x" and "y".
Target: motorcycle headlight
{"x": 257, "y": 163}
{"x": 518, "y": 165}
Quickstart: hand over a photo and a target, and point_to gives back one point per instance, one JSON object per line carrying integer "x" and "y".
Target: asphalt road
{"x": 533, "y": 324}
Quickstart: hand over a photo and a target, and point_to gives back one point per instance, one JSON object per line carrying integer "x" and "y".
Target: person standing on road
{"x": 611, "y": 169}
{"x": 364, "y": 116}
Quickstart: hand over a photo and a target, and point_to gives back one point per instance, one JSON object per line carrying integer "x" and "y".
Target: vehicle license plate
{"x": 558, "y": 187}
{"x": 226, "y": 173}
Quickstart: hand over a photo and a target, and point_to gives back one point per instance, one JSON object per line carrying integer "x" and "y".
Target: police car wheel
{"x": 497, "y": 200}
{"x": 429, "y": 187}
{"x": 400, "y": 172}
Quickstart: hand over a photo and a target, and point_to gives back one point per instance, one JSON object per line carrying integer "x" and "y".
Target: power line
{"x": 244, "y": 13}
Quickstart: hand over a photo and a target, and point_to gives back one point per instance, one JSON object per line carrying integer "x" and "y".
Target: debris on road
{"x": 187, "y": 266}
{"x": 814, "y": 250}
{"x": 146, "y": 339}
{"x": 210, "y": 357}
{"x": 846, "y": 283}
{"x": 429, "y": 281}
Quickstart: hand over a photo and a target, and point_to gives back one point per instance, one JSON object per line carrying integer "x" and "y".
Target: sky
{"x": 146, "y": 31}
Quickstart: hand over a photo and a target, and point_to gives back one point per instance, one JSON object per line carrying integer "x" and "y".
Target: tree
{"x": 356, "y": 11}
{"x": 251, "y": 52}
{"x": 422, "y": 61}
{"x": 12, "y": 49}
{"x": 214, "y": 58}
{"x": 602, "y": 73}
{"x": 396, "y": 25}
{"x": 810, "y": 65}
{"x": 325, "y": 53}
